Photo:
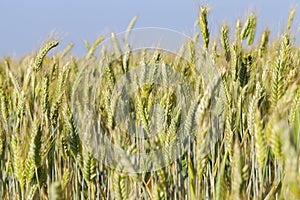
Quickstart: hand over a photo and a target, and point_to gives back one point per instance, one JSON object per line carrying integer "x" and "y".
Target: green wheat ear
{"x": 260, "y": 143}
{"x": 42, "y": 53}
{"x": 130, "y": 27}
{"x": 225, "y": 41}
{"x": 35, "y": 156}
{"x": 120, "y": 186}
{"x": 252, "y": 30}
{"x": 93, "y": 48}
{"x": 67, "y": 49}
{"x": 238, "y": 32}
{"x": 282, "y": 62}
{"x": 202, "y": 21}
{"x": 18, "y": 162}
{"x": 290, "y": 20}
{"x": 294, "y": 108}
{"x": 4, "y": 105}
{"x": 245, "y": 70}
{"x": 253, "y": 104}
{"x": 263, "y": 43}
{"x": 249, "y": 29}
{"x": 73, "y": 136}
{"x": 89, "y": 167}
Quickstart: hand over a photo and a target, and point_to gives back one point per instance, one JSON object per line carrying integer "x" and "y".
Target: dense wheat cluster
{"x": 256, "y": 153}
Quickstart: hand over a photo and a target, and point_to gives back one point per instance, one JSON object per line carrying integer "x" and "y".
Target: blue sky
{"x": 26, "y": 24}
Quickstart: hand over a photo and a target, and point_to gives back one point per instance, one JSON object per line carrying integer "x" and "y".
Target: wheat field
{"x": 254, "y": 156}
